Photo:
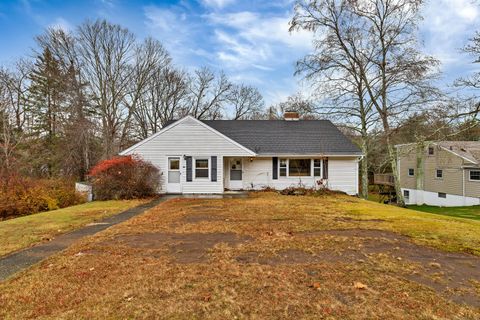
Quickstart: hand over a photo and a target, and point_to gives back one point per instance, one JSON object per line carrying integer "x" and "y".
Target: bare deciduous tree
{"x": 150, "y": 58}
{"x": 106, "y": 53}
{"x": 13, "y": 91}
{"x": 247, "y": 102}
{"x": 339, "y": 85}
{"x": 164, "y": 99}
{"x": 298, "y": 103}
{"x": 379, "y": 37}
{"x": 208, "y": 94}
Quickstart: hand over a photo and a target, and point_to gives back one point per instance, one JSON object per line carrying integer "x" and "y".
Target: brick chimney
{"x": 290, "y": 115}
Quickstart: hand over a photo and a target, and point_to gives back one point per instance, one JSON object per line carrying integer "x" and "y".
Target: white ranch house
{"x": 210, "y": 157}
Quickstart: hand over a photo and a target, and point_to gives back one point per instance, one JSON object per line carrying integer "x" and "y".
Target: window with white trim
{"x": 431, "y": 151}
{"x": 299, "y": 167}
{"x": 283, "y": 167}
{"x": 439, "y": 174}
{"x": 201, "y": 168}
{"x": 406, "y": 194}
{"x": 475, "y": 175}
{"x": 317, "y": 167}
{"x": 442, "y": 195}
{"x": 411, "y": 172}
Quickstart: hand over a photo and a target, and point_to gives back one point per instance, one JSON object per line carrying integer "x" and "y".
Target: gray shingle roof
{"x": 307, "y": 137}
{"x": 468, "y": 149}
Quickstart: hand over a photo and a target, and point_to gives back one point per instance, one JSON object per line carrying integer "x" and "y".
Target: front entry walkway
{"x": 22, "y": 259}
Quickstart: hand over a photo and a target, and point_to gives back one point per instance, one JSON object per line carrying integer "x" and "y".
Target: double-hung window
{"x": 201, "y": 168}
{"x": 317, "y": 167}
{"x": 475, "y": 175}
{"x": 411, "y": 172}
{"x": 439, "y": 174}
{"x": 283, "y": 167}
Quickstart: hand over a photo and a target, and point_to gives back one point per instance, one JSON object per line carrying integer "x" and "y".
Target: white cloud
{"x": 255, "y": 28}
{"x": 27, "y": 8}
{"x": 251, "y": 47}
{"x": 108, "y": 3}
{"x": 169, "y": 27}
{"x": 249, "y": 40}
{"x": 446, "y": 26}
{"x": 217, "y": 3}
{"x": 61, "y": 23}
{"x": 164, "y": 20}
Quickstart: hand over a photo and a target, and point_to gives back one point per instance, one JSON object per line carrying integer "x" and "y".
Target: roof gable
{"x": 195, "y": 133}
{"x": 467, "y": 150}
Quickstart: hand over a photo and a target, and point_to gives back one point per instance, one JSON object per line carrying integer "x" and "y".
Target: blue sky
{"x": 247, "y": 39}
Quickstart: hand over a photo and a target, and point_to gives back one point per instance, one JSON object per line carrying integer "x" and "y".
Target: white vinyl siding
{"x": 189, "y": 138}
{"x": 257, "y": 174}
{"x": 342, "y": 175}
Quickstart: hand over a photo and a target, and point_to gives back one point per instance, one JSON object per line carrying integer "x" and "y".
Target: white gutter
{"x": 266, "y": 155}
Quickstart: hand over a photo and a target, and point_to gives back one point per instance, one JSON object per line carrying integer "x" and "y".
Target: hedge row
{"x": 21, "y": 196}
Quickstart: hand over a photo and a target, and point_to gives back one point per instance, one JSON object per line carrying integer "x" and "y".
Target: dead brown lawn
{"x": 265, "y": 257}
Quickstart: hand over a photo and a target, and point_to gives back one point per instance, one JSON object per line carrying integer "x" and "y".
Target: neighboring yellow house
{"x": 450, "y": 177}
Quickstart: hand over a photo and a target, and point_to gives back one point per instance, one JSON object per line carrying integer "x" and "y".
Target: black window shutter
{"x": 325, "y": 168}
{"x": 214, "y": 168}
{"x": 189, "y": 168}
{"x": 275, "y": 168}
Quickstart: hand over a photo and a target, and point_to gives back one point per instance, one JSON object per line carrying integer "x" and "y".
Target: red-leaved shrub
{"x": 21, "y": 196}
{"x": 124, "y": 177}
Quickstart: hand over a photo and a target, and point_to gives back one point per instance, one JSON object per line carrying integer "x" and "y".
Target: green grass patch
{"x": 472, "y": 212}
{"x": 443, "y": 231}
{"x": 25, "y": 231}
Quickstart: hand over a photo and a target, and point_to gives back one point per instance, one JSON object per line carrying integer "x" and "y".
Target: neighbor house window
{"x": 439, "y": 174}
{"x": 201, "y": 168}
{"x": 283, "y": 167}
{"x": 299, "y": 167}
{"x": 430, "y": 151}
{"x": 475, "y": 175}
{"x": 406, "y": 194}
{"x": 411, "y": 172}
{"x": 317, "y": 167}
{"x": 442, "y": 195}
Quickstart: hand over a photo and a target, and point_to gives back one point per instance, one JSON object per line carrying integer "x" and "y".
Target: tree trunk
{"x": 364, "y": 171}
{"x": 392, "y": 154}
{"x": 420, "y": 154}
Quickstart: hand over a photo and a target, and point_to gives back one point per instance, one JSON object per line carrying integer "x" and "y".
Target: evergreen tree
{"x": 46, "y": 100}
{"x": 78, "y": 138}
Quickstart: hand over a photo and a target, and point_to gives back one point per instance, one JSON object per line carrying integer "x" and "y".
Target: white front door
{"x": 173, "y": 175}
{"x": 236, "y": 173}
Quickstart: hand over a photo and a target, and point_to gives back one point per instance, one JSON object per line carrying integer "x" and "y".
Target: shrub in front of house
{"x": 20, "y": 196}
{"x": 124, "y": 177}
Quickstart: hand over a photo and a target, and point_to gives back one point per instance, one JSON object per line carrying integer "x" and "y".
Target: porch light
{"x": 251, "y": 159}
